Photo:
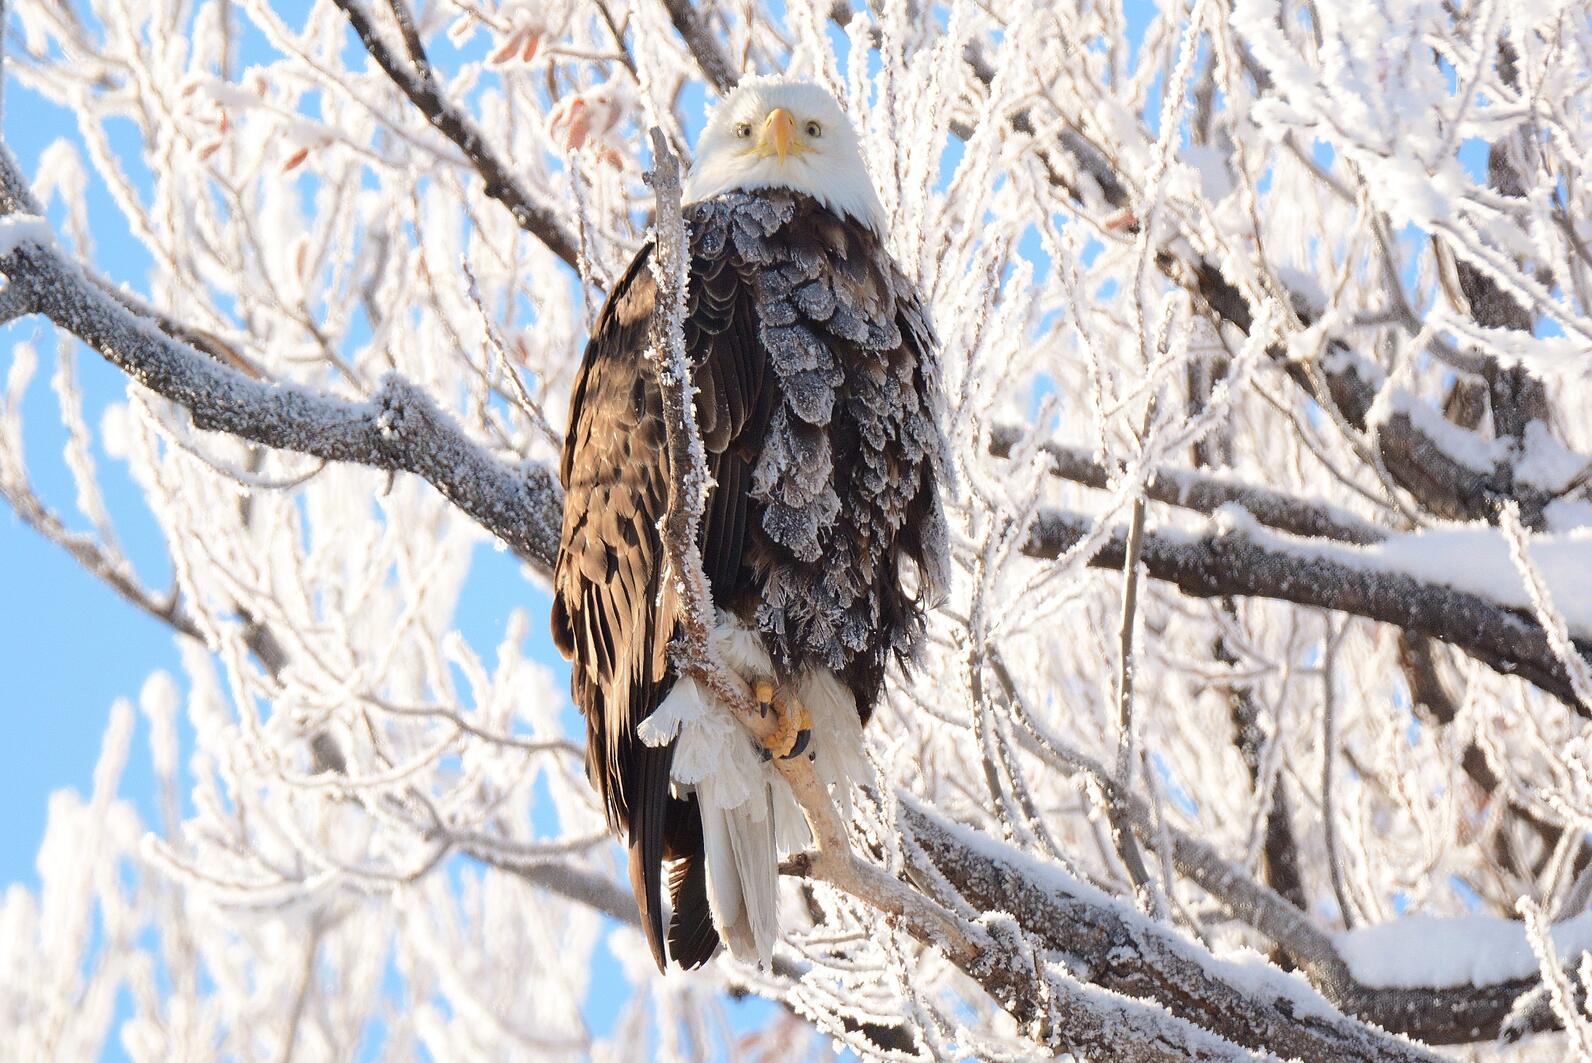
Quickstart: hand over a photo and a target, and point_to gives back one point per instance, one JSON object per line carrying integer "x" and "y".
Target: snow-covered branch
{"x": 1125, "y": 952}
{"x": 397, "y": 428}
{"x": 1205, "y": 493}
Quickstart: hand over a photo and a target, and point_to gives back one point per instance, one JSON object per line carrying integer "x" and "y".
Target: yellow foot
{"x": 795, "y": 722}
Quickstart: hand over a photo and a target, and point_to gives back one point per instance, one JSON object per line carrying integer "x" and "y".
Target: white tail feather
{"x": 752, "y": 838}
{"x": 724, "y": 884}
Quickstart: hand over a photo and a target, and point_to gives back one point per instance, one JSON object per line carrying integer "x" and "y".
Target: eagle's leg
{"x": 795, "y": 722}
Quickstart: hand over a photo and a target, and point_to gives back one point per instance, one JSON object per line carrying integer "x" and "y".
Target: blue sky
{"x": 68, "y": 646}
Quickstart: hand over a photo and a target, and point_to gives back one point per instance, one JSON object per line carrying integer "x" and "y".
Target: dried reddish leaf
{"x": 508, "y": 50}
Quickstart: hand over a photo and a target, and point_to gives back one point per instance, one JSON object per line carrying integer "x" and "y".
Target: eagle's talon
{"x": 798, "y": 747}
{"x": 784, "y": 736}
{"x": 790, "y": 738}
{"x": 794, "y": 730}
{"x": 763, "y": 692}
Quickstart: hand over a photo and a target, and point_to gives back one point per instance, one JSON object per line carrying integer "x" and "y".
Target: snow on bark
{"x": 18, "y": 229}
{"x": 1426, "y": 950}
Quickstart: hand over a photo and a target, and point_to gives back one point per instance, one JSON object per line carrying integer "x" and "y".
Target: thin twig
{"x": 688, "y": 476}
{"x": 1329, "y": 749}
{"x": 698, "y": 37}
{"x": 1132, "y": 858}
{"x": 312, "y": 949}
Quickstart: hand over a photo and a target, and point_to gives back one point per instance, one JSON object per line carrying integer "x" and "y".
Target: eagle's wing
{"x": 611, "y": 615}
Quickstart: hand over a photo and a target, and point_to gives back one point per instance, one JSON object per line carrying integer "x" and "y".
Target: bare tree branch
{"x": 416, "y": 78}
{"x": 1242, "y": 563}
{"x": 1279, "y": 850}
{"x": 1206, "y": 493}
{"x": 711, "y": 58}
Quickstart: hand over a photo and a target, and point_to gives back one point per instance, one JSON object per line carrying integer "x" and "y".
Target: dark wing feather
{"x": 732, "y": 405}
{"x": 608, "y": 615}
{"x": 692, "y": 937}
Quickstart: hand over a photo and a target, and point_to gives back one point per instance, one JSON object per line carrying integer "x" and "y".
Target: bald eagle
{"x": 823, "y": 539}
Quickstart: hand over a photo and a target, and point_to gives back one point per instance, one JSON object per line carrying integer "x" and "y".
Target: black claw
{"x": 763, "y": 752}
{"x": 803, "y": 737}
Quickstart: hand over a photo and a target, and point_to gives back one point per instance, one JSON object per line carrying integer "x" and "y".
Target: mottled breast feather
{"x": 843, "y": 483}
{"x": 816, "y": 372}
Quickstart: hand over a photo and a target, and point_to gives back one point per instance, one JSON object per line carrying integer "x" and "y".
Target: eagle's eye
{"x": 743, "y": 129}
{"x": 815, "y": 130}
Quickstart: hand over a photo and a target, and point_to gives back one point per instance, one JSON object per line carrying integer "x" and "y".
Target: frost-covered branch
{"x": 688, "y": 476}
{"x": 94, "y": 558}
{"x": 1123, "y": 951}
{"x": 398, "y": 428}
{"x": 1167, "y": 968}
{"x": 716, "y": 64}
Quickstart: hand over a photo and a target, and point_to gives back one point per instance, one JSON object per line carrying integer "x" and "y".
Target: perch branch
{"x": 1135, "y": 956}
{"x": 1461, "y": 1014}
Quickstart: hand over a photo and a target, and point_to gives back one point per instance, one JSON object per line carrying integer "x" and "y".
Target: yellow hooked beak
{"x": 779, "y": 135}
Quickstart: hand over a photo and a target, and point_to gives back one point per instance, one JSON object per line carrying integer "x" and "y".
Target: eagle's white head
{"x": 775, "y": 132}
